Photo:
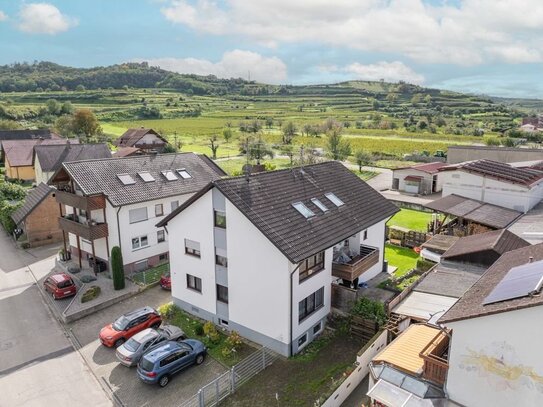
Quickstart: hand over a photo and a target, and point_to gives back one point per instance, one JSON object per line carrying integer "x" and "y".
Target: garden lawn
{"x": 411, "y": 219}
{"x": 402, "y": 257}
{"x": 151, "y": 275}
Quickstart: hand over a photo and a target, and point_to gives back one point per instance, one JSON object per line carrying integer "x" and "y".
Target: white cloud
{"x": 389, "y": 71}
{"x": 3, "y": 16}
{"x": 44, "y": 18}
{"x": 233, "y": 64}
{"x": 472, "y": 32}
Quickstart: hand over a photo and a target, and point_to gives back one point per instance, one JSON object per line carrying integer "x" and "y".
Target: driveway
{"x": 126, "y": 387}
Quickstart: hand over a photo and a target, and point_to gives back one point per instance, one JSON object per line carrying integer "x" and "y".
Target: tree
{"x": 214, "y": 146}
{"x": 169, "y": 148}
{"x": 288, "y": 150}
{"x": 338, "y": 148}
{"x": 362, "y": 158}
{"x": 80, "y": 88}
{"x": 256, "y": 149}
{"x": 289, "y": 131}
{"x": 117, "y": 268}
{"x": 67, "y": 108}
{"x": 227, "y": 134}
{"x": 9, "y": 125}
{"x": 53, "y": 107}
{"x": 86, "y": 123}
{"x": 64, "y": 126}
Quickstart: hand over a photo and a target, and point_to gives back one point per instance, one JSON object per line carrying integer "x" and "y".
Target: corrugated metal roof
{"x": 423, "y": 306}
{"x": 404, "y": 351}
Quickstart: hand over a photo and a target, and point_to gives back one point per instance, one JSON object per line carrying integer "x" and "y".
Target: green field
{"x": 411, "y": 219}
{"x": 403, "y": 258}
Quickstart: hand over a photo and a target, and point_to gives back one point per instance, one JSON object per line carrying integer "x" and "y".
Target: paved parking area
{"x": 123, "y": 382}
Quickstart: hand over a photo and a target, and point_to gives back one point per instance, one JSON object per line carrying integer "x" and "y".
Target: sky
{"x": 488, "y": 47}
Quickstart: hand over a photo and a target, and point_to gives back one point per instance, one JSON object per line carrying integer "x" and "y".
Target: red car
{"x": 166, "y": 281}
{"x": 60, "y": 286}
{"x": 129, "y": 324}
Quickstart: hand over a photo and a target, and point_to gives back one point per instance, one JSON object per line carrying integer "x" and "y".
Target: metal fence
{"x": 214, "y": 392}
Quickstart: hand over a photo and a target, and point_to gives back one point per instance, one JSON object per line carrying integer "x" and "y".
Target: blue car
{"x": 161, "y": 362}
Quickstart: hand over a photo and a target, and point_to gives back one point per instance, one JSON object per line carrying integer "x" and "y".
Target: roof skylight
{"x": 184, "y": 173}
{"x": 126, "y": 179}
{"x": 319, "y": 204}
{"x": 334, "y": 199}
{"x": 304, "y": 210}
{"x": 146, "y": 176}
{"x": 170, "y": 175}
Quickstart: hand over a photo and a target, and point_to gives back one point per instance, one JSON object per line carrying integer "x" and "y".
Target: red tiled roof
{"x": 430, "y": 168}
{"x": 20, "y": 153}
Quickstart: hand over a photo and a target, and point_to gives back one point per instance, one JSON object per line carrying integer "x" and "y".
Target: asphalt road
{"x": 38, "y": 365}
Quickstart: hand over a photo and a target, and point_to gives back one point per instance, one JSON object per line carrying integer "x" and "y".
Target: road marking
{"x": 55, "y": 354}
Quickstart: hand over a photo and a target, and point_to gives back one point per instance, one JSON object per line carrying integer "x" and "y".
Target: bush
{"x": 168, "y": 311}
{"x": 211, "y": 332}
{"x": 91, "y": 294}
{"x": 117, "y": 268}
{"x": 87, "y": 278}
{"x": 6, "y": 210}
{"x": 369, "y": 309}
{"x": 199, "y": 329}
{"x": 233, "y": 342}
{"x": 424, "y": 265}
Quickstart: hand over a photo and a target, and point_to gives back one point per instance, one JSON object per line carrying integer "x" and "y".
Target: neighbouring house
{"x": 528, "y": 128}
{"x": 142, "y": 138}
{"x": 459, "y": 154}
{"x": 497, "y": 333}
{"x": 37, "y": 219}
{"x": 465, "y": 216}
{"x": 37, "y": 134}
{"x": 412, "y": 369}
{"x": 117, "y": 202}
{"x": 530, "y": 225}
{"x": 49, "y": 158}
{"x": 536, "y": 121}
{"x": 496, "y": 183}
{"x": 19, "y": 156}
{"x": 434, "y": 247}
{"x": 421, "y": 179}
{"x": 127, "y": 152}
{"x": 267, "y": 247}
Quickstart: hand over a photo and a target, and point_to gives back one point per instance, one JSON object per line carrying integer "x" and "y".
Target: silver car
{"x": 130, "y": 352}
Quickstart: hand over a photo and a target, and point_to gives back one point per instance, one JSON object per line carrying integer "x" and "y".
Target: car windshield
{"x": 65, "y": 283}
{"x": 146, "y": 365}
{"x": 132, "y": 345}
{"x": 121, "y": 323}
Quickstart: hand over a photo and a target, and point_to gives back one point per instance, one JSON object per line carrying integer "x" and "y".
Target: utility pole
{"x": 175, "y": 140}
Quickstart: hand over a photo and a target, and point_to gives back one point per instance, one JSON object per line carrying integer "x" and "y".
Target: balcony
{"x": 88, "y": 231}
{"x": 356, "y": 266}
{"x": 435, "y": 356}
{"x": 87, "y": 203}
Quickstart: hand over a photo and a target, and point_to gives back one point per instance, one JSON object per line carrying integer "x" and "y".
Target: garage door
{"x": 412, "y": 187}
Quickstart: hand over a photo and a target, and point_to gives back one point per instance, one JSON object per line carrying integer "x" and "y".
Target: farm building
{"x": 142, "y": 138}
{"x": 421, "y": 179}
{"x": 459, "y": 154}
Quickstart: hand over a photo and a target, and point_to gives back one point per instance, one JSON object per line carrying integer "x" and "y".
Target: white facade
{"x": 149, "y": 138}
{"x": 41, "y": 176}
{"x": 264, "y": 289}
{"x": 429, "y": 183}
{"x": 513, "y": 196}
{"x": 496, "y": 360}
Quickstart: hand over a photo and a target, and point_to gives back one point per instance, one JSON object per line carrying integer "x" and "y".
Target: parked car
{"x": 166, "y": 281}
{"x": 128, "y": 325}
{"x": 160, "y": 363}
{"x": 60, "y": 286}
{"x": 130, "y": 352}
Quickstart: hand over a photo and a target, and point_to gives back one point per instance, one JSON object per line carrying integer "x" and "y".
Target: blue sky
{"x": 479, "y": 46}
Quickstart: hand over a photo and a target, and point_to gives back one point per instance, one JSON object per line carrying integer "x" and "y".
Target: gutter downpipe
{"x": 291, "y": 312}
{"x": 119, "y": 229}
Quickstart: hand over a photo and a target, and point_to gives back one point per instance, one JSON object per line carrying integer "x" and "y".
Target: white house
{"x": 418, "y": 179}
{"x": 117, "y": 202}
{"x": 493, "y": 182}
{"x": 265, "y": 249}
{"x": 495, "y": 356}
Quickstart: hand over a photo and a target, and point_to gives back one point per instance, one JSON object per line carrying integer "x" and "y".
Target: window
{"x": 194, "y": 283}
{"x": 222, "y": 293}
{"x": 334, "y": 199}
{"x": 311, "y": 265}
{"x": 310, "y": 304}
{"x": 302, "y": 340}
{"x": 146, "y": 176}
{"x": 137, "y": 215}
{"x": 184, "y": 173}
{"x": 220, "y": 219}
{"x": 83, "y": 212}
{"x": 304, "y": 210}
{"x": 159, "y": 210}
{"x": 192, "y": 247}
{"x": 126, "y": 179}
{"x": 365, "y": 236}
{"x": 221, "y": 260}
{"x": 139, "y": 242}
{"x": 163, "y": 256}
{"x": 319, "y": 204}
{"x": 175, "y": 205}
{"x": 169, "y": 175}
{"x": 317, "y": 328}
{"x": 160, "y": 236}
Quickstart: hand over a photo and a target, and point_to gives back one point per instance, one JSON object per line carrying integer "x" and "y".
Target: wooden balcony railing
{"x": 88, "y": 232}
{"x": 434, "y": 355}
{"x": 369, "y": 256}
{"x": 87, "y": 203}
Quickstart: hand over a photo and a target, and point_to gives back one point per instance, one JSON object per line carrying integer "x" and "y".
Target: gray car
{"x": 130, "y": 352}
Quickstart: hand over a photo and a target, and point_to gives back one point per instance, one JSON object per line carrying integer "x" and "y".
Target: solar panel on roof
{"x": 519, "y": 282}
{"x": 126, "y": 179}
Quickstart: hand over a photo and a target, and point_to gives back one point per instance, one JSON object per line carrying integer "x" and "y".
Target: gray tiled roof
{"x": 27, "y": 134}
{"x": 32, "y": 200}
{"x": 266, "y": 200}
{"x": 100, "y": 176}
{"x": 451, "y": 281}
{"x": 471, "y": 303}
{"x": 132, "y": 136}
{"x": 51, "y": 157}
{"x": 20, "y": 153}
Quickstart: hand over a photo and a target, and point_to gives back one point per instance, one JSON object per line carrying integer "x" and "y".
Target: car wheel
{"x": 156, "y": 325}
{"x": 200, "y": 359}
{"x": 119, "y": 342}
{"x": 164, "y": 380}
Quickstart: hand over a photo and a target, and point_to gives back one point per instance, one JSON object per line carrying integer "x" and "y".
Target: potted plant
{"x": 64, "y": 255}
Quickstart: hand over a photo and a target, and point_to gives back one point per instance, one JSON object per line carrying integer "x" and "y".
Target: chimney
{"x": 530, "y": 259}
{"x": 68, "y": 145}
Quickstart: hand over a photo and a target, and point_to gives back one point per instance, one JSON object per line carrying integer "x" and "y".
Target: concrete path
{"x": 358, "y": 397}
{"x": 38, "y": 364}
